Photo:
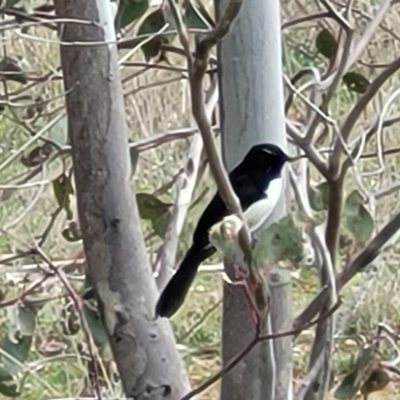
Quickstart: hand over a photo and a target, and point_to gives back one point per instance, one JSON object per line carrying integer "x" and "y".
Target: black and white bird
{"x": 257, "y": 182}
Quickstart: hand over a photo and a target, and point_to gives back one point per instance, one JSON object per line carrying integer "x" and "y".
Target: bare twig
{"x": 306, "y": 18}
{"x": 185, "y": 187}
{"x": 309, "y": 379}
{"x": 77, "y": 303}
{"x": 20, "y": 298}
{"x": 365, "y": 137}
{"x": 312, "y": 154}
{"x": 49, "y": 226}
{"x": 355, "y": 112}
{"x": 222, "y": 27}
{"x": 197, "y": 64}
{"x": 312, "y": 308}
{"x": 201, "y": 320}
{"x": 323, "y": 341}
{"x": 365, "y": 257}
{"x": 346, "y": 26}
{"x": 229, "y": 366}
{"x": 182, "y": 31}
{"x": 39, "y": 134}
{"x": 257, "y": 338}
{"x": 370, "y": 252}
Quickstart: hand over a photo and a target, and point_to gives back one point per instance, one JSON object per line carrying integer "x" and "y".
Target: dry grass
{"x": 152, "y": 109}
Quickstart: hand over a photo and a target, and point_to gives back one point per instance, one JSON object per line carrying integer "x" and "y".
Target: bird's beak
{"x": 293, "y": 159}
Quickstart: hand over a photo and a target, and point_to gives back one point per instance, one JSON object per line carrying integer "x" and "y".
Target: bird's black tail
{"x": 173, "y": 295}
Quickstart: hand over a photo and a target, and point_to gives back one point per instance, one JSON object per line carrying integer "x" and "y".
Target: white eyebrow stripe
{"x": 267, "y": 151}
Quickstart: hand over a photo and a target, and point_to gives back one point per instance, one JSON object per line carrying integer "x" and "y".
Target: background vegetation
{"x": 37, "y": 204}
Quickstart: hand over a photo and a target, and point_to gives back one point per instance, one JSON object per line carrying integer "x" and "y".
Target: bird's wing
{"x": 248, "y": 188}
{"x": 214, "y": 212}
{"x": 256, "y": 204}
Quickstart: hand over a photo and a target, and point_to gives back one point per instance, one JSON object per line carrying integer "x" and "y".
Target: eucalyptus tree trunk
{"x": 252, "y": 111}
{"x": 144, "y": 349}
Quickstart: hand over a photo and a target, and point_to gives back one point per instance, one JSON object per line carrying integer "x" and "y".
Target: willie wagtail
{"x": 257, "y": 182}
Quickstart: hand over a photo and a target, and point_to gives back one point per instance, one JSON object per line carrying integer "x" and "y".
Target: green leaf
{"x": 326, "y": 43}
{"x": 58, "y": 133}
{"x": 93, "y": 319}
{"x": 38, "y": 155}
{"x": 152, "y": 24}
{"x": 357, "y": 219}
{"x": 319, "y": 196}
{"x": 96, "y": 326}
{"x": 5, "y": 375}
{"x": 134, "y": 157}
{"x": 356, "y": 82}
{"x": 17, "y": 343}
{"x": 378, "y": 380}
{"x": 19, "y": 18}
{"x": 9, "y": 388}
{"x": 13, "y": 69}
{"x": 197, "y": 17}
{"x": 352, "y": 382}
{"x": 281, "y": 241}
{"x": 150, "y": 207}
{"x": 72, "y": 233}
{"x": 21, "y": 323}
{"x": 8, "y": 4}
{"x": 160, "y": 224}
{"x": 154, "y": 210}
{"x": 62, "y": 188}
{"x": 347, "y": 389}
{"x": 130, "y": 11}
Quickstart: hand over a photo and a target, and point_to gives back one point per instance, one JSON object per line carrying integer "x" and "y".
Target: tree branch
{"x": 197, "y": 67}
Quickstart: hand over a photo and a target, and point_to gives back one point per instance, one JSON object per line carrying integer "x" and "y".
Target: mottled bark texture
{"x": 252, "y": 111}
{"x": 144, "y": 349}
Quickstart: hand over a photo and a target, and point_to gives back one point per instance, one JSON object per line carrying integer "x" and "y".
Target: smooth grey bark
{"x": 252, "y": 111}
{"x": 144, "y": 349}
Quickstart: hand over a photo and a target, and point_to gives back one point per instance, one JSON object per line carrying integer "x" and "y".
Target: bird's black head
{"x": 267, "y": 157}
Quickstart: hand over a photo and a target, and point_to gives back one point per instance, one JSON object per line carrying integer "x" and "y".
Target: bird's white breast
{"x": 259, "y": 212}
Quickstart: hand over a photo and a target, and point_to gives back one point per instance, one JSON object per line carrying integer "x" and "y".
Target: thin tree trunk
{"x": 252, "y": 111}
{"x": 144, "y": 348}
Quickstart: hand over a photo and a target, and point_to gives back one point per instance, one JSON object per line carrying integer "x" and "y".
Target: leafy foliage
{"x": 134, "y": 156}
{"x": 62, "y": 188}
{"x": 130, "y": 11}
{"x": 281, "y": 241}
{"x": 12, "y": 69}
{"x": 7, "y": 4}
{"x": 31, "y": 107}
{"x": 196, "y": 17}
{"x": 154, "y": 210}
{"x": 16, "y": 344}
{"x": 356, "y": 82}
{"x": 155, "y": 22}
{"x": 319, "y": 196}
{"x": 367, "y": 376}
{"x": 93, "y": 319}
{"x": 37, "y": 156}
{"x": 326, "y": 43}
{"x": 357, "y": 219}
{"x": 72, "y": 233}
